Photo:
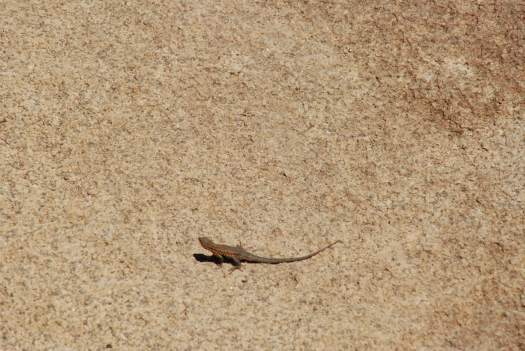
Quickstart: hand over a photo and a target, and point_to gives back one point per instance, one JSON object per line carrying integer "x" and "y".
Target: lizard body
{"x": 237, "y": 254}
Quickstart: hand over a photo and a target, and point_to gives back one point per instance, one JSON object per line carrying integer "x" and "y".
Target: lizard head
{"x": 205, "y": 241}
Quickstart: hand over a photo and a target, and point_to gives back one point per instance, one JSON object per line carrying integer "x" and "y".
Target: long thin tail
{"x": 291, "y": 259}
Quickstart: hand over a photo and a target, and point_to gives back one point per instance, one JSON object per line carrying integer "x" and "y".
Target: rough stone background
{"x": 128, "y": 129}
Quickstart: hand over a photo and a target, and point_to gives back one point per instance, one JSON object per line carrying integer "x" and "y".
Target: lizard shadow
{"x": 211, "y": 258}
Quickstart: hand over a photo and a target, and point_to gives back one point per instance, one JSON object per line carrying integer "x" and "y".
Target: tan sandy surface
{"x": 129, "y": 129}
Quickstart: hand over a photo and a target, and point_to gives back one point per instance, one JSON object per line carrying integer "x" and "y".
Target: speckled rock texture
{"x": 129, "y": 129}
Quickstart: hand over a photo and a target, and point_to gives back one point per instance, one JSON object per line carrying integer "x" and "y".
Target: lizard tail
{"x": 291, "y": 259}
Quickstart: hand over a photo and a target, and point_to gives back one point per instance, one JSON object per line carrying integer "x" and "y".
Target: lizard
{"x": 238, "y": 254}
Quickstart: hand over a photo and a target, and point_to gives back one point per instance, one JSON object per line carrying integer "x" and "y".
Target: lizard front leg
{"x": 219, "y": 259}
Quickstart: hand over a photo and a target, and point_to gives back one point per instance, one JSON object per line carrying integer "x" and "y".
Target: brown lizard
{"x": 237, "y": 254}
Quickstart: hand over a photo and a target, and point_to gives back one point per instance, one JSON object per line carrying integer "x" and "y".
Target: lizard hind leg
{"x": 236, "y": 264}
